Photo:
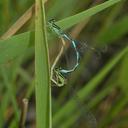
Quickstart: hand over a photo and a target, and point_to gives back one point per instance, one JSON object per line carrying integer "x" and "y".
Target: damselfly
{"x": 64, "y": 37}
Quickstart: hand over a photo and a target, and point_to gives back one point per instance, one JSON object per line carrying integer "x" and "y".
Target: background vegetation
{"x": 95, "y": 94}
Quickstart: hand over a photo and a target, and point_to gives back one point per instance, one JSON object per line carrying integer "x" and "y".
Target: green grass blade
{"x": 72, "y": 20}
{"x": 41, "y": 69}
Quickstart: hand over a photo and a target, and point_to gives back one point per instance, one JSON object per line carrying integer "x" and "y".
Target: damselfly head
{"x": 51, "y": 21}
{"x": 54, "y": 27}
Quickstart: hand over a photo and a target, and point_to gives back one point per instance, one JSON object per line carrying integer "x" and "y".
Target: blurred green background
{"x": 98, "y": 87}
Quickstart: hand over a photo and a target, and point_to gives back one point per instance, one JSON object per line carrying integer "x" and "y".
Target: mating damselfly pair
{"x": 57, "y": 74}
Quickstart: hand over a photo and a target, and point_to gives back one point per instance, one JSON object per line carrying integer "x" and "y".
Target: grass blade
{"x": 72, "y": 20}
{"x": 41, "y": 69}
